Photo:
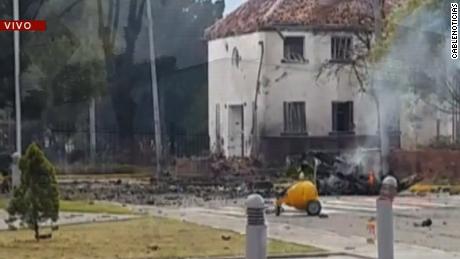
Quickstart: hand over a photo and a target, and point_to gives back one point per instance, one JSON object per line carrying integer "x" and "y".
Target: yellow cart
{"x": 303, "y": 196}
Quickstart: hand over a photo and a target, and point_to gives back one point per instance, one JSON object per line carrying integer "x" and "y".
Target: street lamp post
{"x": 17, "y": 73}
{"x": 156, "y": 107}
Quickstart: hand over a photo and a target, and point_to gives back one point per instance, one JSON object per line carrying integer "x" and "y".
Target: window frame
{"x": 293, "y": 120}
{"x": 335, "y": 113}
{"x": 337, "y": 48}
{"x": 301, "y": 56}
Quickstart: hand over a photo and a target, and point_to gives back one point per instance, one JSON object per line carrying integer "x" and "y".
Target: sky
{"x": 231, "y": 5}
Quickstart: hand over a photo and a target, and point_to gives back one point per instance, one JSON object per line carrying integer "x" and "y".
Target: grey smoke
{"x": 412, "y": 74}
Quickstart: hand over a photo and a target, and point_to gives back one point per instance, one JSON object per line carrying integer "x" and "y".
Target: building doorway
{"x": 236, "y": 130}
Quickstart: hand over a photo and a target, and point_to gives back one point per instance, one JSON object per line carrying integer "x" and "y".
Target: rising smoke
{"x": 410, "y": 81}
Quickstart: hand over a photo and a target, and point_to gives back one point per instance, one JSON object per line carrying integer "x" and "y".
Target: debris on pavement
{"x": 426, "y": 223}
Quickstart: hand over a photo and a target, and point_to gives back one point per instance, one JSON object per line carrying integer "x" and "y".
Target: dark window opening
{"x": 342, "y": 117}
{"x": 341, "y": 48}
{"x": 294, "y": 49}
{"x": 295, "y": 118}
{"x": 236, "y": 58}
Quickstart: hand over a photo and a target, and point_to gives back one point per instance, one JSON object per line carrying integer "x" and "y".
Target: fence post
{"x": 385, "y": 226}
{"x": 15, "y": 171}
{"x": 256, "y": 228}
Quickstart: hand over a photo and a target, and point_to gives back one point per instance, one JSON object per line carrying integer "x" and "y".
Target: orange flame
{"x": 371, "y": 179}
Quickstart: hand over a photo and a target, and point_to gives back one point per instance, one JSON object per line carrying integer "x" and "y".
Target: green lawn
{"x": 85, "y": 206}
{"x": 139, "y": 238}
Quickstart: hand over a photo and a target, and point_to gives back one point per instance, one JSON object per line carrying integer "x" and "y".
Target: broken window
{"x": 341, "y": 49}
{"x": 294, "y": 117}
{"x": 342, "y": 117}
{"x": 293, "y": 49}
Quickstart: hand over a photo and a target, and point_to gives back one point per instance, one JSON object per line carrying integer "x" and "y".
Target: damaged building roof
{"x": 256, "y": 15}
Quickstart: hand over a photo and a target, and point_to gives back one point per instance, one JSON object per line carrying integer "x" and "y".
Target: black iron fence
{"x": 67, "y": 148}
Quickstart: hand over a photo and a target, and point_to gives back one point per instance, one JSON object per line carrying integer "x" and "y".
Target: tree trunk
{"x": 120, "y": 67}
{"x": 37, "y": 231}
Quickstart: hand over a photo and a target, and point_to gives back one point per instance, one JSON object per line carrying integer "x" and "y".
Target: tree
{"x": 37, "y": 198}
{"x": 29, "y": 9}
{"x": 191, "y": 18}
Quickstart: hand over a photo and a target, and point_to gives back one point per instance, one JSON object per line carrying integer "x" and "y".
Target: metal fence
{"x": 66, "y": 148}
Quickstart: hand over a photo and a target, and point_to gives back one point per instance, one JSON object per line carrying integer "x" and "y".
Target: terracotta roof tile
{"x": 257, "y": 15}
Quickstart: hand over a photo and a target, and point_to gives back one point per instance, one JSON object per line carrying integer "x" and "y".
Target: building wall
{"x": 231, "y": 84}
{"x": 298, "y": 82}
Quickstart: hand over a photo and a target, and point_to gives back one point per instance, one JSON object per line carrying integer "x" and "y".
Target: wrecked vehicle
{"x": 337, "y": 175}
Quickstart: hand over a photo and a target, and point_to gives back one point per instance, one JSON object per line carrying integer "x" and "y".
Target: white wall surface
{"x": 232, "y": 85}
{"x": 282, "y": 82}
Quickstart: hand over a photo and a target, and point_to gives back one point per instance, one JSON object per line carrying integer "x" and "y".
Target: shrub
{"x": 37, "y": 198}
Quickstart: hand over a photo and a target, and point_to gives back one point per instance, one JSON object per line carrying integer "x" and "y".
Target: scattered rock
{"x": 226, "y": 238}
{"x": 426, "y": 223}
{"x": 349, "y": 248}
{"x": 323, "y": 216}
{"x": 45, "y": 236}
{"x": 153, "y": 247}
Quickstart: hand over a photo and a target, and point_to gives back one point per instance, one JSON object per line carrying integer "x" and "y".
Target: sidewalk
{"x": 319, "y": 238}
{"x": 69, "y": 218}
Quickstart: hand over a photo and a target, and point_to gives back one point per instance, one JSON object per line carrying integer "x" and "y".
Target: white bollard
{"x": 256, "y": 228}
{"x": 385, "y": 226}
{"x": 15, "y": 171}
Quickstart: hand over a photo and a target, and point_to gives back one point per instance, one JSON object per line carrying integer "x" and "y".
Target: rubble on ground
{"x": 425, "y": 223}
{"x": 227, "y": 179}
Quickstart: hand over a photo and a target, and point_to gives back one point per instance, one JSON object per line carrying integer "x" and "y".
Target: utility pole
{"x": 92, "y": 129}
{"x": 156, "y": 109}
{"x": 17, "y": 74}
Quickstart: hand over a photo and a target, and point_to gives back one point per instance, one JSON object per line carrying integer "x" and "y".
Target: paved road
{"x": 349, "y": 216}
{"x": 345, "y": 229}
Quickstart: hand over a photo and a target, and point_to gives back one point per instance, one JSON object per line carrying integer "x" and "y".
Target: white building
{"x": 278, "y": 47}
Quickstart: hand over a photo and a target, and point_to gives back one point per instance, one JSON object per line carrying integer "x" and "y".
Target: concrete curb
{"x": 288, "y": 256}
{"x": 132, "y": 217}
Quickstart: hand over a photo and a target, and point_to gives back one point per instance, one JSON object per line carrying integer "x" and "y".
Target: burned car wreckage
{"x": 337, "y": 175}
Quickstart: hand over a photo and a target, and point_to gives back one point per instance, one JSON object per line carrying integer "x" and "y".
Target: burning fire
{"x": 371, "y": 179}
